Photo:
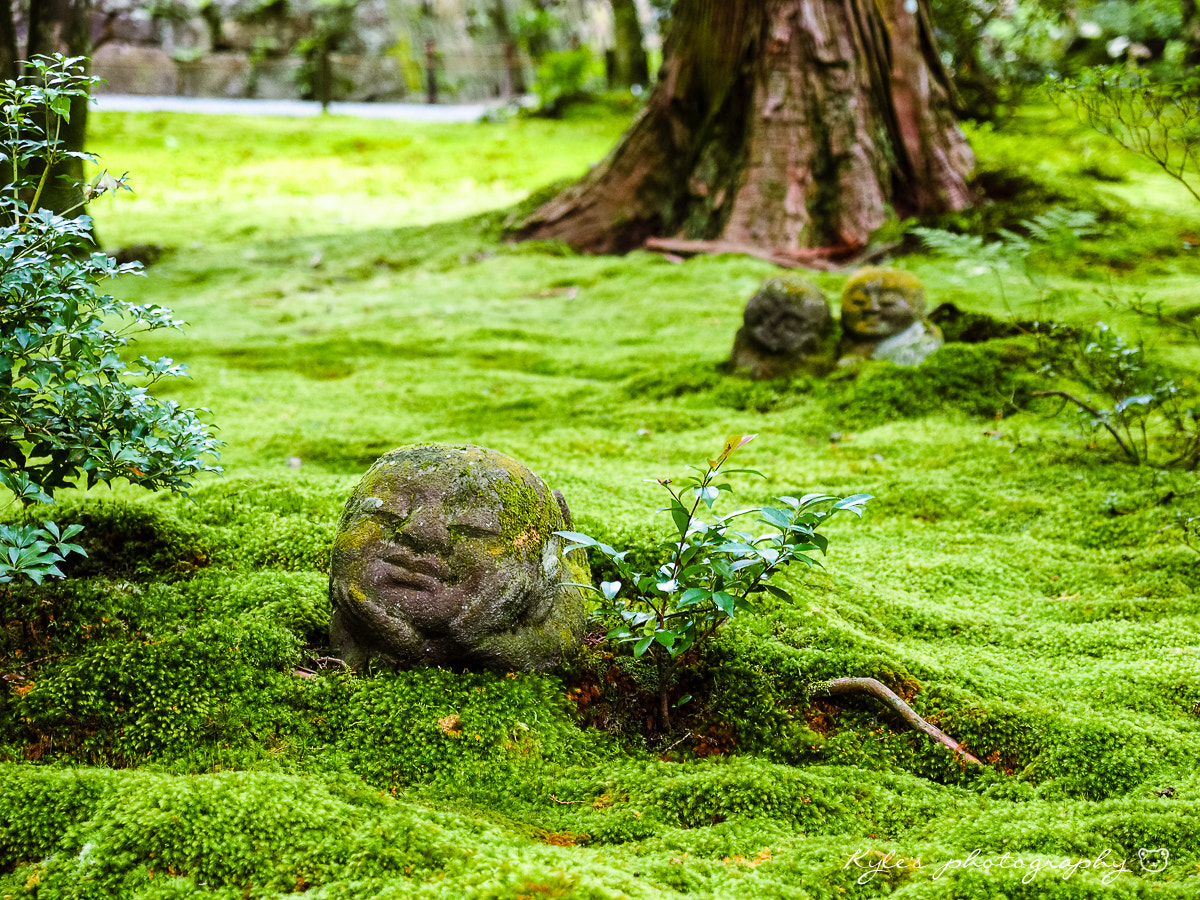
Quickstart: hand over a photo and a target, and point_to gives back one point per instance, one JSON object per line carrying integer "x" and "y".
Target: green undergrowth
{"x": 174, "y": 724}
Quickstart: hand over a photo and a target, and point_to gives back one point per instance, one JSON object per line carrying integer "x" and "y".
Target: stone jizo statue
{"x": 883, "y": 317}
{"x": 785, "y": 325}
{"x": 446, "y": 556}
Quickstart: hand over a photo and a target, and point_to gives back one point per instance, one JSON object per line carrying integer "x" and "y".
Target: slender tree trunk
{"x": 64, "y": 26}
{"x": 629, "y": 51}
{"x": 514, "y": 74}
{"x": 1190, "y": 33}
{"x": 664, "y": 695}
{"x": 779, "y": 124}
{"x": 431, "y": 59}
{"x": 9, "y": 55}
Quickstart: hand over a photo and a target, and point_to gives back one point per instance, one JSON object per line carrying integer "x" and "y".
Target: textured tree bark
{"x": 781, "y": 124}
{"x": 629, "y": 50}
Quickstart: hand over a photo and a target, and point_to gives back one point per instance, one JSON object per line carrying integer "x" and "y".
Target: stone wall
{"x": 129, "y": 69}
{"x": 248, "y": 56}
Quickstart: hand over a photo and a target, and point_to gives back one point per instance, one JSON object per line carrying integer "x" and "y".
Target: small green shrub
{"x": 1149, "y": 116}
{"x": 564, "y": 77}
{"x": 706, "y": 573}
{"x": 71, "y": 409}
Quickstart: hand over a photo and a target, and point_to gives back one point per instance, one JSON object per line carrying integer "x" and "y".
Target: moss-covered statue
{"x": 786, "y": 324}
{"x": 446, "y": 556}
{"x": 883, "y": 317}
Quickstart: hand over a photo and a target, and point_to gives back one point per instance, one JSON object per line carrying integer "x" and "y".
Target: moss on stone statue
{"x": 446, "y": 555}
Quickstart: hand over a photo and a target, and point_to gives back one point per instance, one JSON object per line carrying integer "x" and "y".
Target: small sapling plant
{"x": 73, "y": 411}
{"x": 711, "y": 570}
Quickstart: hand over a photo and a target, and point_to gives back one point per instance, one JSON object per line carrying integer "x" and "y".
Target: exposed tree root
{"x": 892, "y": 700}
{"x": 824, "y": 259}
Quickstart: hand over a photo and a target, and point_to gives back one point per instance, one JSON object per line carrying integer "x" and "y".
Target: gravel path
{"x": 218, "y": 106}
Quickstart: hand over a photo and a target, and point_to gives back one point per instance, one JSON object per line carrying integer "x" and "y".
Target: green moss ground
{"x": 166, "y": 726}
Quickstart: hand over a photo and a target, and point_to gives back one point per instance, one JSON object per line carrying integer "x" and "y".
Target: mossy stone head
{"x": 446, "y": 555}
{"x": 878, "y": 303}
{"x": 788, "y": 315}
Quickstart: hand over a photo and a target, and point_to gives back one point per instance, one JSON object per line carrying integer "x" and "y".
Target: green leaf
{"x": 854, "y": 503}
{"x": 640, "y": 647}
{"x": 680, "y": 516}
{"x": 725, "y": 602}
{"x": 734, "y": 547}
{"x": 581, "y": 540}
{"x": 610, "y": 589}
{"x": 692, "y": 596}
{"x": 60, "y": 104}
{"x": 811, "y": 499}
{"x": 743, "y": 472}
{"x": 778, "y": 592}
{"x": 775, "y": 516}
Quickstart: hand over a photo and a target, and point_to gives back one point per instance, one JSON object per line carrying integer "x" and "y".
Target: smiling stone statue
{"x": 883, "y": 317}
{"x": 446, "y": 556}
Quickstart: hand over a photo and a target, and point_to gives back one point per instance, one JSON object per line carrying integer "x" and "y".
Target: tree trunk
{"x": 64, "y": 26}
{"x": 629, "y": 50}
{"x": 780, "y": 124}
{"x": 1190, "y": 33}
{"x": 514, "y": 73}
{"x": 8, "y": 43}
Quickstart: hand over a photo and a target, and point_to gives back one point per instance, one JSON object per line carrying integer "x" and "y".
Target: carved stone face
{"x": 787, "y": 316}
{"x": 878, "y": 303}
{"x": 444, "y": 555}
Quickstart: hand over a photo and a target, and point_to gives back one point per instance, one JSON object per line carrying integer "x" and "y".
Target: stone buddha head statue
{"x": 788, "y": 315}
{"x": 878, "y": 303}
{"x": 446, "y": 555}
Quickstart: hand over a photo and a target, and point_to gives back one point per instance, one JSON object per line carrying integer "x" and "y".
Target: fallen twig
{"x": 331, "y": 660}
{"x": 811, "y": 257}
{"x": 566, "y": 802}
{"x": 676, "y": 744}
{"x": 892, "y": 700}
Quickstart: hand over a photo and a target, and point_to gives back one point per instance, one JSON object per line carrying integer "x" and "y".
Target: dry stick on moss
{"x": 893, "y": 701}
{"x": 819, "y": 258}
{"x": 1130, "y": 452}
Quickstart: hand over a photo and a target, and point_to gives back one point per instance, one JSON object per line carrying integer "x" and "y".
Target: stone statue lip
{"x": 422, "y": 573}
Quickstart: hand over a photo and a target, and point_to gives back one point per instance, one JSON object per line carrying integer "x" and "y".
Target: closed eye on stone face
{"x": 460, "y": 530}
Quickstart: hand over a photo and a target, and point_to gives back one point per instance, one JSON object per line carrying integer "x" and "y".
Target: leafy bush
{"x": 71, "y": 409}
{"x": 563, "y": 77}
{"x": 707, "y": 573}
{"x": 1137, "y": 398}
